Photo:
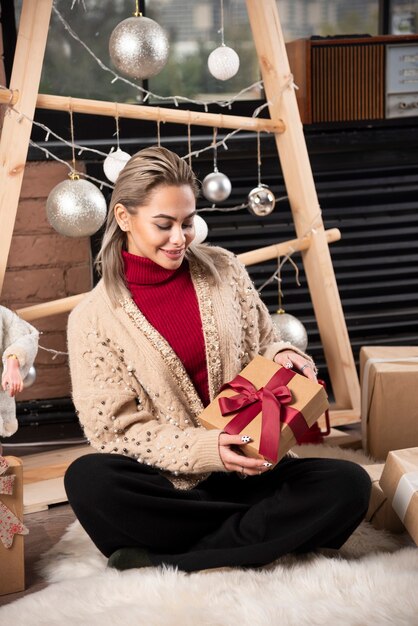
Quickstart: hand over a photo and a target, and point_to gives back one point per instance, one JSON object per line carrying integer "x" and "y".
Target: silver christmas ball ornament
{"x": 261, "y": 201}
{"x": 200, "y": 229}
{"x": 290, "y": 329}
{"x": 216, "y": 187}
{"x": 114, "y": 164}
{"x": 30, "y": 377}
{"x": 223, "y": 63}
{"x": 76, "y": 208}
{"x": 138, "y": 47}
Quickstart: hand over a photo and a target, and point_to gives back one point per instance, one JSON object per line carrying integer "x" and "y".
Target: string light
{"x": 147, "y": 94}
{"x": 80, "y": 148}
{"x": 48, "y": 154}
{"x": 54, "y": 352}
{"x": 49, "y": 131}
{"x": 312, "y": 230}
{"x": 82, "y": 2}
{"x": 223, "y": 209}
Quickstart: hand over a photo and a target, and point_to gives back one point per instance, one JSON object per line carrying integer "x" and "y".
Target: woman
{"x": 149, "y": 347}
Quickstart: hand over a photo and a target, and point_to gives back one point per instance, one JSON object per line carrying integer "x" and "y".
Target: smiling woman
{"x": 162, "y": 229}
{"x": 150, "y": 347}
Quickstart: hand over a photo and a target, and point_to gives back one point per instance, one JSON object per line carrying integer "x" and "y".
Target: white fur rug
{"x": 371, "y": 580}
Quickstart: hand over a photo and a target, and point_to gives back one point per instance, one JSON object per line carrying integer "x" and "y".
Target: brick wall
{"x": 44, "y": 266}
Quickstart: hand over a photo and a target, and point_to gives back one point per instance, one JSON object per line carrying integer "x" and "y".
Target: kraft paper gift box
{"x": 389, "y": 398}
{"x": 12, "y": 570}
{"x": 271, "y": 404}
{"x": 399, "y": 481}
{"x": 380, "y": 512}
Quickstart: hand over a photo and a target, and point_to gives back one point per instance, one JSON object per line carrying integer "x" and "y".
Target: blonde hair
{"x": 144, "y": 172}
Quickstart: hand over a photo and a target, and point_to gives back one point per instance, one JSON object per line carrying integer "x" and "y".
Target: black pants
{"x": 300, "y": 505}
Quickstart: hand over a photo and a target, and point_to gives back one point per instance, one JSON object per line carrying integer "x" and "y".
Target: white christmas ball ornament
{"x": 223, "y": 63}
{"x": 216, "y": 187}
{"x": 114, "y": 164}
{"x": 76, "y": 208}
{"x": 290, "y": 329}
{"x": 138, "y": 47}
{"x": 261, "y": 201}
{"x": 30, "y": 377}
{"x": 200, "y": 229}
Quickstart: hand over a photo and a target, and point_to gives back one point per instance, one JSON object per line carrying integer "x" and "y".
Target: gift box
{"x": 275, "y": 406}
{"x": 380, "y": 512}
{"x": 399, "y": 482}
{"x": 12, "y": 570}
{"x": 389, "y": 398}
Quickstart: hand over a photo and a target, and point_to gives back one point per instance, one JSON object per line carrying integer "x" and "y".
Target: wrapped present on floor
{"x": 380, "y": 512}
{"x": 389, "y": 398}
{"x": 399, "y": 481}
{"x": 12, "y": 570}
{"x": 275, "y": 406}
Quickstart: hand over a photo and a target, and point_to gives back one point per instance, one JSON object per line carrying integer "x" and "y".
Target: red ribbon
{"x": 271, "y": 400}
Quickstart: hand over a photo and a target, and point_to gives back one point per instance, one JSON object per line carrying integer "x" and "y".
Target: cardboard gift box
{"x": 273, "y": 405}
{"x": 399, "y": 481}
{"x": 389, "y": 398}
{"x": 380, "y": 512}
{"x": 12, "y": 570}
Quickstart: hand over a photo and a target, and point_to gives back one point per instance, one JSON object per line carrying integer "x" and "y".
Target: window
{"x": 403, "y": 17}
{"x": 304, "y": 18}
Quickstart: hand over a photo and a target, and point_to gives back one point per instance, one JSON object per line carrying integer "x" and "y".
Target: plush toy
{"x": 19, "y": 346}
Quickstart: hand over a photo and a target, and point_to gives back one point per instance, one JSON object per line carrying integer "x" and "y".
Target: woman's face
{"x": 163, "y": 229}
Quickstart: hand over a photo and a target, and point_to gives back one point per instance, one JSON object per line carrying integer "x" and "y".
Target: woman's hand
{"x": 12, "y": 379}
{"x": 290, "y": 359}
{"x": 235, "y": 461}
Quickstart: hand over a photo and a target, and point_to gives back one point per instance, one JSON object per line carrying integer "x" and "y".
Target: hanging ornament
{"x": 261, "y": 200}
{"x": 200, "y": 229}
{"x": 115, "y": 161}
{"x": 216, "y": 187}
{"x": 288, "y": 326}
{"x": 76, "y": 208}
{"x": 290, "y": 329}
{"x": 138, "y": 46}
{"x": 223, "y": 62}
{"x": 114, "y": 164}
{"x": 30, "y": 377}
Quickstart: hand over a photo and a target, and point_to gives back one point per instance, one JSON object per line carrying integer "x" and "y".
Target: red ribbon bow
{"x": 271, "y": 400}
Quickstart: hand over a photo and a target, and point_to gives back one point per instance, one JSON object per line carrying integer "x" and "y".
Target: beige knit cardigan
{"x": 131, "y": 391}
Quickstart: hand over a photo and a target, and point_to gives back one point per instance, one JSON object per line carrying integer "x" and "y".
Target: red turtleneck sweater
{"x": 168, "y": 300}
